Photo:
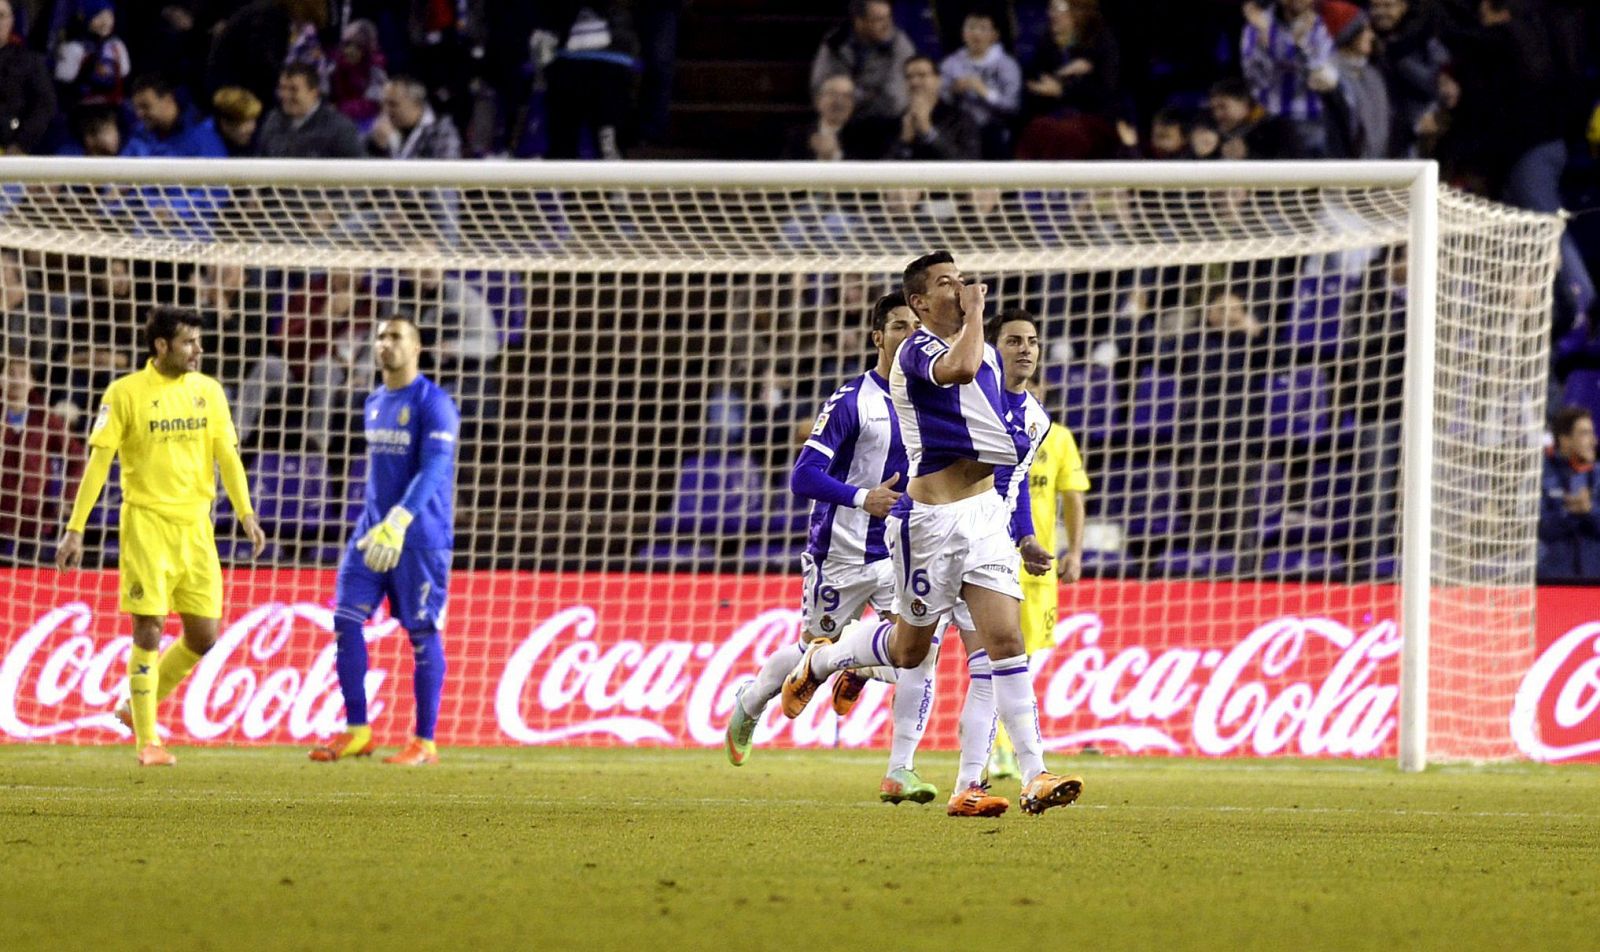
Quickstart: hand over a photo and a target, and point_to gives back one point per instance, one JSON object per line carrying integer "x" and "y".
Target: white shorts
{"x": 937, "y": 549}
{"x": 836, "y": 593}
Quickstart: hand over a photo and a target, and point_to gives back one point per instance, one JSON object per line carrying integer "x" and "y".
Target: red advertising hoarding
{"x": 1174, "y": 667}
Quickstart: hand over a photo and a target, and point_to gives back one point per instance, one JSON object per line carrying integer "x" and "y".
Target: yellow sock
{"x": 176, "y": 663}
{"x": 360, "y": 735}
{"x": 142, "y": 680}
{"x": 1002, "y": 740}
{"x": 428, "y": 745}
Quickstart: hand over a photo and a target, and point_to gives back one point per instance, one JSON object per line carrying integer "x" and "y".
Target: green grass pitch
{"x": 652, "y": 849}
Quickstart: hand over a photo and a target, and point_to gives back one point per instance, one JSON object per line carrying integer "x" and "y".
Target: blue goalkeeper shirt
{"x": 411, "y": 461}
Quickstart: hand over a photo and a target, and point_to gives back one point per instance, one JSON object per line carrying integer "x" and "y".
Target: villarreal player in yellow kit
{"x": 171, "y": 426}
{"x": 1056, "y": 484}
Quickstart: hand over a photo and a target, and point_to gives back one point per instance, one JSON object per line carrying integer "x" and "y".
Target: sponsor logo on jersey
{"x": 177, "y": 424}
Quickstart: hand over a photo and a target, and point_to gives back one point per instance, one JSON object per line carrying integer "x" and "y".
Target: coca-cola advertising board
{"x": 1172, "y": 667}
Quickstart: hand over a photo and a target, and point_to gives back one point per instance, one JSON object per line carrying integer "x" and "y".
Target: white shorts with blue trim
{"x": 938, "y": 549}
{"x": 836, "y": 593}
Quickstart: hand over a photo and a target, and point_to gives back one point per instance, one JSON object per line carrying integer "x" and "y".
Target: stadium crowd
{"x": 1499, "y": 91}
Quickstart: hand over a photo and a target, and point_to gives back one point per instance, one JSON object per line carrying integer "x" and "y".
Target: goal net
{"x": 637, "y": 352}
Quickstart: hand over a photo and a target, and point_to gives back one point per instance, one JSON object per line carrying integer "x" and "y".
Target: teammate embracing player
{"x": 849, "y": 467}
{"x": 951, "y": 530}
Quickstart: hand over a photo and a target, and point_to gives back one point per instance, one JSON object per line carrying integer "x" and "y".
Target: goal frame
{"x": 1420, "y": 178}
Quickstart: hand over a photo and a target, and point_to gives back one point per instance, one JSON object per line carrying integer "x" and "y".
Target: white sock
{"x": 1013, "y": 700}
{"x": 913, "y": 701}
{"x": 769, "y": 680}
{"x": 977, "y": 720}
{"x": 862, "y": 644}
{"x": 882, "y": 673}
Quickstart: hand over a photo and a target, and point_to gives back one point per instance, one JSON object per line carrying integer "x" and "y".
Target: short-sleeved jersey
{"x": 944, "y": 423}
{"x": 166, "y": 431}
{"x": 1057, "y": 468}
{"x": 858, "y": 432}
{"x": 1036, "y": 424}
{"x": 401, "y": 426}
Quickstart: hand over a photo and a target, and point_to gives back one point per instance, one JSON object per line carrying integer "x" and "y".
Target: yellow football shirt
{"x": 166, "y": 431}
{"x": 1057, "y": 468}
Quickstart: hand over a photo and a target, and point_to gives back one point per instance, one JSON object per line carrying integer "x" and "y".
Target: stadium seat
{"x": 291, "y": 491}
{"x": 719, "y": 493}
{"x": 1318, "y": 313}
{"x": 1178, "y": 561}
{"x": 1145, "y": 501}
{"x": 1297, "y": 405}
{"x": 1583, "y": 389}
{"x": 1090, "y": 405}
{"x": 1301, "y": 562}
{"x": 1157, "y": 406}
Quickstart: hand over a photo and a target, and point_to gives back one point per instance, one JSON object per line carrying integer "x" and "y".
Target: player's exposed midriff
{"x": 960, "y": 480}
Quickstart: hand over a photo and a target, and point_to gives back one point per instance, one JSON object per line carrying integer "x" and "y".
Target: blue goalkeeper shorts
{"x": 416, "y": 587}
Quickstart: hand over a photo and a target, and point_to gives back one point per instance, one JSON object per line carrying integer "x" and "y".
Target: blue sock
{"x": 427, "y": 679}
{"x": 351, "y": 661}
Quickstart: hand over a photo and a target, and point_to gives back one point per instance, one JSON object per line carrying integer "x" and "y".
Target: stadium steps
{"x": 742, "y": 74}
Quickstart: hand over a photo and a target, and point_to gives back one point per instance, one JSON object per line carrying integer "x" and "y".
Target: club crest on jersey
{"x": 136, "y": 591}
{"x": 199, "y": 403}
{"x": 919, "y": 607}
{"x": 404, "y": 417}
{"x": 828, "y": 624}
{"x": 1033, "y": 431}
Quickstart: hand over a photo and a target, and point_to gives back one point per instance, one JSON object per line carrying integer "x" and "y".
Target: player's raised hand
{"x": 972, "y": 296}
{"x": 69, "y": 551}
{"x": 881, "y": 498}
{"x": 256, "y": 535}
{"x": 1035, "y": 557}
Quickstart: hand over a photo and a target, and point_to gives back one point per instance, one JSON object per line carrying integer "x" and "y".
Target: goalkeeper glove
{"x": 383, "y": 542}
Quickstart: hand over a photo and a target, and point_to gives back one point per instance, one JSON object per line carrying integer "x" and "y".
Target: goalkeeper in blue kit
{"x": 402, "y": 543}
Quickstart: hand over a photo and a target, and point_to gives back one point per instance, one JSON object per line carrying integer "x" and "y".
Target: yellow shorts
{"x": 168, "y": 565}
{"x": 1040, "y": 595}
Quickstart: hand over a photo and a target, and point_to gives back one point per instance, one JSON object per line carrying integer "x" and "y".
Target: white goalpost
{"x": 1310, "y": 397}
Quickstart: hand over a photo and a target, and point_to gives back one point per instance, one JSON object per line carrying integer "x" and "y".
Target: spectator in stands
{"x": 1072, "y": 87}
{"x": 1168, "y": 138}
{"x": 358, "y": 77}
{"x": 1287, "y": 57}
{"x": 236, "y": 332}
{"x": 92, "y": 66}
{"x": 1358, "y": 115}
{"x": 237, "y": 111}
{"x": 328, "y": 314}
{"x": 304, "y": 126}
{"x": 591, "y": 80}
{"x": 931, "y": 127}
{"x": 836, "y": 133}
{"x": 1246, "y": 130}
{"x": 35, "y": 445}
{"x": 104, "y": 327}
{"x": 1204, "y": 140}
{"x": 872, "y": 52}
{"x": 27, "y": 97}
{"x": 254, "y": 45}
{"x": 165, "y": 128}
{"x": 1569, "y": 507}
{"x": 1409, "y": 54}
{"x": 986, "y": 82}
{"x": 408, "y": 128}
{"x": 23, "y": 319}
{"x": 95, "y": 131}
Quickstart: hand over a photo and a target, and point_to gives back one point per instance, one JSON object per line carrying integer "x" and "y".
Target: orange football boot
{"x": 340, "y": 746}
{"x": 800, "y": 684}
{"x": 414, "y": 754}
{"x": 155, "y": 755}
{"x": 1050, "y": 790}
{"x": 976, "y": 800}
{"x": 847, "y": 689}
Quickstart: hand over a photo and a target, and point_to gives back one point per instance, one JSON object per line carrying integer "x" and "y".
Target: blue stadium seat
{"x": 291, "y": 491}
{"x": 1200, "y": 562}
{"x": 1310, "y": 562}
{"x": 1091, "y": 408}
{"x": 1583, "y": 389}
{"x": 1146, "y": 500}
{"x": 1157, "y": 406}
{"x": 1318, "y": 312}
{"x": 1320, "y": 513}
{"x": 1297, "y": 405}
{"x": 719, "y": 493}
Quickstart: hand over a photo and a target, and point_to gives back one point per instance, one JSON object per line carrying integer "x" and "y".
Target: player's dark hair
{"x": 163, "y": 323}
{"x": 915, "y": 279}
{"x": 880, "y": 310}
{"x": 991, "y": 330}
{"x": 1568, "y": 418}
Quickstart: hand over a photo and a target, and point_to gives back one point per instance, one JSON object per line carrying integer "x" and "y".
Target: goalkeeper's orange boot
{"x": 416, "y": 753}
{"x": 800, "y": 684}
{"x": 340, "y": 746}
{"x": 1049, "y": 790}
{"x": 976, "y": 800}
{"x": 155, "y": 755}
{"x": 847, "y": 689}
